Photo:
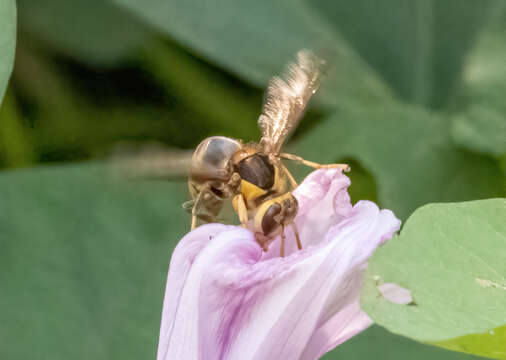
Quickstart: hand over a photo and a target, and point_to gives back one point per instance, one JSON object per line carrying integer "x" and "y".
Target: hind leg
{"x": 296, "y": 233}
{"x": 314, "y": 165}
{"x": 290, "y": 177}
{"x": 282, "y": 248}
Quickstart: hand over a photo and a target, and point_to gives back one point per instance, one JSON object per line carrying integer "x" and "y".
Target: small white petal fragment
{"x": 395, "y": 293}
{"x": 489, "y": 284}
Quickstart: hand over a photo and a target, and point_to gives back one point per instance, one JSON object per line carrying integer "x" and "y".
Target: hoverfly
{"x": 253, "y": 174}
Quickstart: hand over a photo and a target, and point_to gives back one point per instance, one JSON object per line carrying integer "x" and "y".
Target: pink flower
{"x": 226, "y": 299}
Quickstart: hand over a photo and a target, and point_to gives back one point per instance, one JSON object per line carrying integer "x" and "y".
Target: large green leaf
{"x": 489, "y": 343}
{"x": 93, "y": 31}
{"x": 255, "y": 39}
{"x": 7, "y": 42}
{"x": 451, "y": 257}
{"x": 422, "y": 62}
{"x": 480, "y": 124}
{"x": 418, "y": 46}
{"x": 481, "y": 129}
{"x": 378, "y": 343}
{"x": 408, "y": 151}
{"x": 484, "y": 73}
{"x": 83, "y": 263}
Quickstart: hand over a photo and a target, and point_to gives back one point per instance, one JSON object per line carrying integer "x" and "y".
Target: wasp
{"x": 253, "y": 175}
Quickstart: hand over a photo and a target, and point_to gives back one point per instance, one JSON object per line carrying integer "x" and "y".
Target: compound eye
{"x": 269, "y": 223}
{"x": 212, "y": 157}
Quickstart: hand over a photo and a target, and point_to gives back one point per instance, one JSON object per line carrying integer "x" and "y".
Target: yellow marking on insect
{"x": 251, "y": 191}
{"x": 264, "y": 206}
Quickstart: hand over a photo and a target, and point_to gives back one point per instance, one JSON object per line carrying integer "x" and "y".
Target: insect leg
{"x": 282, "y": 249}
{"x": 194, "y": 221}
{"x": 188, "y": 205}
{"x": 197, "y": 206}
{"x": 240, "y": 209}
{"x": 289, "y": 175}
{"x": 296, "y": 232}
{"x": 312, "y": 164}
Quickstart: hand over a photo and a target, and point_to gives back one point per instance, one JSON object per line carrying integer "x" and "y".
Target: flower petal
{"x": 395, "y": 293}
{"x": 323, "y": 202}
{"x": 224, "y": 300}
{"x": 181, "y": 263}
{"x": 345, "y": 324}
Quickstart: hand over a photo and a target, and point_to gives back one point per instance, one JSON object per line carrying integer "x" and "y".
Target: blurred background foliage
{"x": 414, "y": 101}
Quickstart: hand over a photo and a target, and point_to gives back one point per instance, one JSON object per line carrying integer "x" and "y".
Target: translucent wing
{"x": 152, "y": 161}
{"x": 286, "y": 99}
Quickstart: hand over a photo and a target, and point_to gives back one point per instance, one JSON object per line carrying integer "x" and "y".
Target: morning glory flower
{"x": 227, "y": 299}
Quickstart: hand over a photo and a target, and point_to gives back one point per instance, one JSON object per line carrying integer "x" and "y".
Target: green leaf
{"x": 93, "y": 31}
{"x": 7, "y": 42}
{"x": 255, "y": 39}
{"x": 481, "y": 129}
{"x": 481, "y": 121}
{"x": 408, "y": 151}
{"x": 484, "y": 73}
{"x": 419, "y": 46}
{"x": 451, "y": 258}
{"x": 489, "y": 344}
{"x": 83, "y": 263}
{"x": 378, "y": 343}
{"x": 15, "y": 147}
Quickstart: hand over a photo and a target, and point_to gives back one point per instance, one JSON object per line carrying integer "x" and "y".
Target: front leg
{"x": 240, "y": 209}
{"x": 233, "y": 186}
{"x": 196, "y": 206}
{"x": 314, "y": 165}
{"x": 205, "y": 206}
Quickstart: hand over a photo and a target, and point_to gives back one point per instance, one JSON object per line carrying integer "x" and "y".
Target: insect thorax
{"x": 258, "y": 170}
{"x": 260, "y": 179}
